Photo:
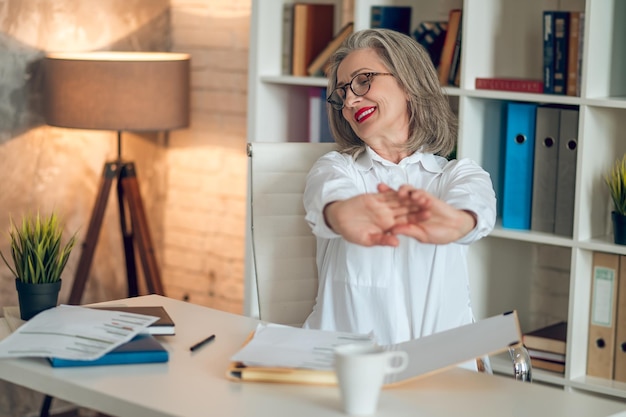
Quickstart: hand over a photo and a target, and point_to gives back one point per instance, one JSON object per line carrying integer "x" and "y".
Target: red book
{"x": 521, "y": 85}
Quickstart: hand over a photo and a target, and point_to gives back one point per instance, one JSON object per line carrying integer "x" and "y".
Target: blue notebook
{"x": 144, "y": 348}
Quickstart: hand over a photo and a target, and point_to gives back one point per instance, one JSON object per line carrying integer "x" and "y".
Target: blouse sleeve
{"x": 330, "y": 179}
{"x": 469, "y": 187}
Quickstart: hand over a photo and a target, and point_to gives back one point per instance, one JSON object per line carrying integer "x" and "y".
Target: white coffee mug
{"x": 361, "y": 371}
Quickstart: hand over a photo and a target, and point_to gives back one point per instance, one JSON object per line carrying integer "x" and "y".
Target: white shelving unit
{"x": 501, "y": 38}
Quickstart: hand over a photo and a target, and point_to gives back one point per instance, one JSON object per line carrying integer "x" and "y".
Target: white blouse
{"x": 405, "y": 292}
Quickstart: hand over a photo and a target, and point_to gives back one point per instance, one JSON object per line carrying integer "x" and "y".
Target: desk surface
{"x": 194, "y": 384}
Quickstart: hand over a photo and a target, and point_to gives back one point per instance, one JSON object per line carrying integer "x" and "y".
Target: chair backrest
{"x": 281, "y": 248}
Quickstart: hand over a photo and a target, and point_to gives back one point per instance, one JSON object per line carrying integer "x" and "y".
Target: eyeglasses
{"x": 360, "y": 85}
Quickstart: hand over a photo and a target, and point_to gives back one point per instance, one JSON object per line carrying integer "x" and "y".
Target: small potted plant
{"x": 38, "y": 261}
{"x": 616, "y": 181}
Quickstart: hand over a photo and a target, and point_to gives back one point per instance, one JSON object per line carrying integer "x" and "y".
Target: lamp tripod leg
{"x": 109, "y": 173}
{"x": 140, "y": 230}
{"x": 135, "y": 232}
{"x": 126, "y": 226}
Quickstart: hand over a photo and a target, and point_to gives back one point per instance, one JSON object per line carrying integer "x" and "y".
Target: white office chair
{"x": 280, "y": 258}
{"x": 281, "y": 272}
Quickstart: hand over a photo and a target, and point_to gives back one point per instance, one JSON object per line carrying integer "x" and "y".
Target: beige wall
{"x": 192, "y": 180}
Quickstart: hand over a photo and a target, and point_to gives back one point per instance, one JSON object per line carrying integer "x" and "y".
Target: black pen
{"x": 202, "y": 343}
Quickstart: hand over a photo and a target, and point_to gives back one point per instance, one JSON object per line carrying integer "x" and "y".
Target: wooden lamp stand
{"x": 133, "y": 225}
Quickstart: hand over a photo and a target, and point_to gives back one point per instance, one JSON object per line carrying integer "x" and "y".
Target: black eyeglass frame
{"x": 344, "y": 87}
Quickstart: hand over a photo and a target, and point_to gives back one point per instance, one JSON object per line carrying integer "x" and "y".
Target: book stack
{"x": 143, "y": 348}
{"x": 563, "y": 33}
{"x": 562, "y": 59}
{"x": 540, "y": 150}
{"x": 546, "y": 347}
{"x": 307, "y": 30}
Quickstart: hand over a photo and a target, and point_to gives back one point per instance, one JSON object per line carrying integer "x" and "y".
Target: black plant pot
{"x": 35, "y": 298}
{"x": 619, "y": 228}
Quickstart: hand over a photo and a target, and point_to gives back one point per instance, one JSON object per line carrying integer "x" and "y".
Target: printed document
{"x": 73, "y": 332}
{"x": 275, "y": 345}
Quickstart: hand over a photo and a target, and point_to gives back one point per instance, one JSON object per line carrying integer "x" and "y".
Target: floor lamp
{"x": 119, "y": 91}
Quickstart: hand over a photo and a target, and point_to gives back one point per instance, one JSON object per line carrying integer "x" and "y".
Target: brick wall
{"x": 203, "y": 245}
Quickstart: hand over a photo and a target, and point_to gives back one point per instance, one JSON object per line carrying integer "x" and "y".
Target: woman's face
{"x": 380, "y": 117}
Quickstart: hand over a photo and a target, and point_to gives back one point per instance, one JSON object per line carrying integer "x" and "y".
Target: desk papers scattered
{"x": 293, "y": 355}
{"x": 72, "y": 332}
{"x": 292, "y": 347}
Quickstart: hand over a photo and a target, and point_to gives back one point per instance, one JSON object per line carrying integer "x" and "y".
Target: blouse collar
{"x": 365, "y": 160}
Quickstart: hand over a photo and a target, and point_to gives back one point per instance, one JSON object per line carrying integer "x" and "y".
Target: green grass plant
{"x": 616, "y": 181}
{"x": 36, "y": 250}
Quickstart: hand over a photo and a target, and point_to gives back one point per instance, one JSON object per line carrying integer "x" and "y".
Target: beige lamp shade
{"x": 123, "y": 91}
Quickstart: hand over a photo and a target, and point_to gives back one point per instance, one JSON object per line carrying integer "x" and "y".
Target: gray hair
{"x": 432, "y": 124}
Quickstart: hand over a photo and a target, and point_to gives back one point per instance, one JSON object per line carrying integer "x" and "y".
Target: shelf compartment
{"x": 601, "y": 130}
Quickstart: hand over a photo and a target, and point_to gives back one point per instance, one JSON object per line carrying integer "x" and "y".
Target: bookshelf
{"x": 501, "y": 38}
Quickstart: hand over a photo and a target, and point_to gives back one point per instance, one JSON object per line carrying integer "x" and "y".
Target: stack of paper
{"x": 74, "y": 333}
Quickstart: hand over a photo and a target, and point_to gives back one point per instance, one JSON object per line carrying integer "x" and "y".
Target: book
{"x": 162, "y": 327}
{"x": 519, "y": 150}
{"x": 287, "y": 38}
{"x": 143, "y": 348}
{"x": 455, "y": 65}
{"x": 319, "y": 64}
{"x": 551, "y": 338}
{"x": 543, "y": 211}
{"x": 314, "y": 119}
{"x": 431, "y": 35}
{"x": 521, "y": 85}
{"x": 561, "y": 36}
{"x": 555, "y": 49}
{"x": 548, "y": 356}
{"x": 454, "y": 23}
{"x": 547, "y": 365}
{"x": 581, "y": 42}
{"x": 396, "y": 18}
{"x": 573, "y": 54}
{"x": 548, "y": 52}
{"x": 313, "y": 28}
{"x": 325, "y": 133}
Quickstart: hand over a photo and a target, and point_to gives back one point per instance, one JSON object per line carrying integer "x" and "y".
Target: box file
{"x": 545, "y": 169}
{"x": 519, "y": 153}
{"x": 601, "y": 343}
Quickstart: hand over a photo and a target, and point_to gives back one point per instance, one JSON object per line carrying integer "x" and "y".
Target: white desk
{"x": 194, "y": 384}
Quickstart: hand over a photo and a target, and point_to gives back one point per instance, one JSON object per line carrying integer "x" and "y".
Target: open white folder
{"x": 289, "y": 354}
